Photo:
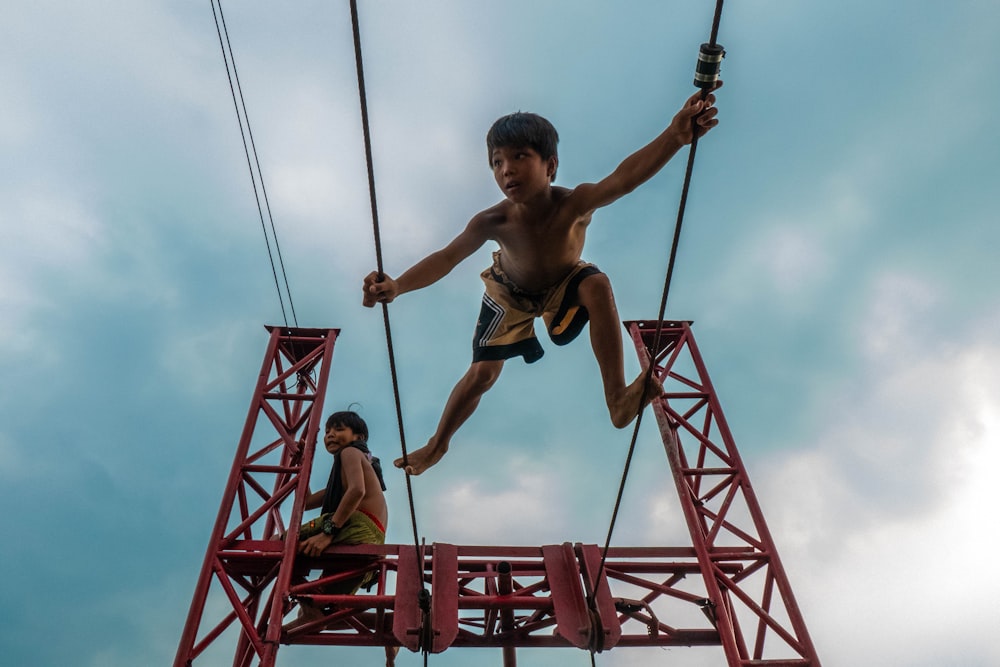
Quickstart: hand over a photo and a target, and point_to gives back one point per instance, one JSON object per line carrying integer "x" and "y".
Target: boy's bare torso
{"x": 373, "y": 500}
{"x": 540, "y": 242}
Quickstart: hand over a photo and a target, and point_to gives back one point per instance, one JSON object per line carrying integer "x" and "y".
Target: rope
{"x": 663, "y": 307}
{"x": 355, "y": 24}
{"x": 225, "y": 44}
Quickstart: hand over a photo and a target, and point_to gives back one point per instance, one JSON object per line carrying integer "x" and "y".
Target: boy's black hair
{"x": 351, "y": 420}
{"x": 522, "y": 128}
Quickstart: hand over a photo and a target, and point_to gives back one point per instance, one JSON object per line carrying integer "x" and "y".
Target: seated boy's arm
{"x": 428, "y": 270}
{"x": 641, "y": 165}
{"x": 353, "y": 477}
{"x": 314, "y": 500}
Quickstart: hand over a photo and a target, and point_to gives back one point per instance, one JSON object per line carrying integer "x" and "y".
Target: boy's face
{"x": 521, "y": 173}
{"x": 337, "y": 437}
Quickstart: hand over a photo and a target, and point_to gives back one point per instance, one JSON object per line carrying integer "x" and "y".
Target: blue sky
{"x": 838, "y": 260}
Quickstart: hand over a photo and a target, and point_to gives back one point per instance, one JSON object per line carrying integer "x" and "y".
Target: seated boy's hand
{"x": 378, "y": 291}
{"x": 315, "y": 545}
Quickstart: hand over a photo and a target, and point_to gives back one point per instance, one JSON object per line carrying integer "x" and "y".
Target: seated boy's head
{"x": 348, "y": 419}
{"x": 521, "y": 129}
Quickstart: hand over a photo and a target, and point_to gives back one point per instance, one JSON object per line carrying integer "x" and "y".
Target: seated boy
{"x": 353, "y": 505}
{"x": 538, "y": 271}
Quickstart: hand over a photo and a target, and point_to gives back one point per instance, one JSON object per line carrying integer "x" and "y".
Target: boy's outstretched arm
{"x": 428, "y": 270}
{"x": 696, "y": 116}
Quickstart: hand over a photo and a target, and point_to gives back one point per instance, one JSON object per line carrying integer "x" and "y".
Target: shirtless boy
{"x": 537, "y": 271}
{"x": 353, "y": 506}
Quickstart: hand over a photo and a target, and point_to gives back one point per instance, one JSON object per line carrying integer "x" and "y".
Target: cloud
{"x": 897, "y": 486}
{"x": 524, "y": 509}
{"x": 51, "y": 236}
{"x": 789, "y": 252}
{"x": 793, "y": 259}
{"x": 900, "y": 306}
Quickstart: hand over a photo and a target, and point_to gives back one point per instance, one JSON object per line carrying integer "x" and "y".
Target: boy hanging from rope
{"x": 537, "y": 271}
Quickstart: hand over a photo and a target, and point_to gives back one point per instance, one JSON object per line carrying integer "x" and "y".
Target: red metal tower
{"x": 272, "y": 465}
{"x": 727, "y": 588}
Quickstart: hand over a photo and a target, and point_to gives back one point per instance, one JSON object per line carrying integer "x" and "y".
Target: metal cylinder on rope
{"x": 355, "y": 25}
{"x": 706, "y": 77}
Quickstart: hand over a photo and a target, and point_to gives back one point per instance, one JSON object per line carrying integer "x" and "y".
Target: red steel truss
{"x": 726, "y": 589}
{"x": 758, "y": 620}
{"x": 272, "y": 465}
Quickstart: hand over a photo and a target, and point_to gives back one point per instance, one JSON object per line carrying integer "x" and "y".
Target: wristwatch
{"x": 329, "y": 527}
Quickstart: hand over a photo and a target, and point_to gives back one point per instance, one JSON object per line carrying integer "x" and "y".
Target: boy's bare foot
{"x": 422, "y": 459}
{"x": 390, "y": 655}
{"x": 637, "y": 395}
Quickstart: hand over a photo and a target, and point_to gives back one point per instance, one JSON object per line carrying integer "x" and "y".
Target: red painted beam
{"x": 573, "y": 619}
{"x": 444, "y": 597}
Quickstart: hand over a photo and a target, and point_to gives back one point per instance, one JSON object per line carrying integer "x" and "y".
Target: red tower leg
{"x": 273, "y": 461}
{"x": 750, "y": 598}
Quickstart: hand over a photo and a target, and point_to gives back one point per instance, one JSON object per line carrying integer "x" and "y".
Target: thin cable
{"x": 355, "y": 24}
{"x": 659, "y": 320}
{"x": 237, "y": 90}
{"x": 260, "y": 175}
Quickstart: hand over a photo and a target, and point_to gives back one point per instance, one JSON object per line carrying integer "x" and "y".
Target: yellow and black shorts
{"x": 506, "y": 326}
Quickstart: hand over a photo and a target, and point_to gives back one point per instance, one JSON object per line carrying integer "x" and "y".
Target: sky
{"x": 837, "y": 260}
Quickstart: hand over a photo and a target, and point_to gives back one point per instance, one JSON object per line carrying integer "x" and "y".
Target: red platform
{"x": 726, "y": 588}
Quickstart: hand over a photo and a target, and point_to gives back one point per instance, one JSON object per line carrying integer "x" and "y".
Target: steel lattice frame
{"x": 758, "y": 619}
{"x": 272, "y": 464}
{"x": 726, "y": 589}
{"x": 507, "y": 597}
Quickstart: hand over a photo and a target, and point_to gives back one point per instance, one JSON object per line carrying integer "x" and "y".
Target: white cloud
{"x": 50, "y": 229}
{"x": 793, "y": 258}
{"x": 51, "y": 238}
{"x": 793, "y": 250}
{"x": 887, "y": 522}
{"x": 525, "y": 510}
{"x": 900, "y": 305}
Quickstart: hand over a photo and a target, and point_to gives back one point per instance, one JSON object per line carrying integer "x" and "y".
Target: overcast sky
{"x": 838, "y": 261}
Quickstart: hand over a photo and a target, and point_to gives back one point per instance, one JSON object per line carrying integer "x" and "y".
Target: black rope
{"x": 663, "y": 308}
{"x": 247, "y": 149}
{"x": 378, "y": 257}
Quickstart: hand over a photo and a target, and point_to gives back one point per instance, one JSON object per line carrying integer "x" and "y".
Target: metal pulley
{"x": 709, "y": 63}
